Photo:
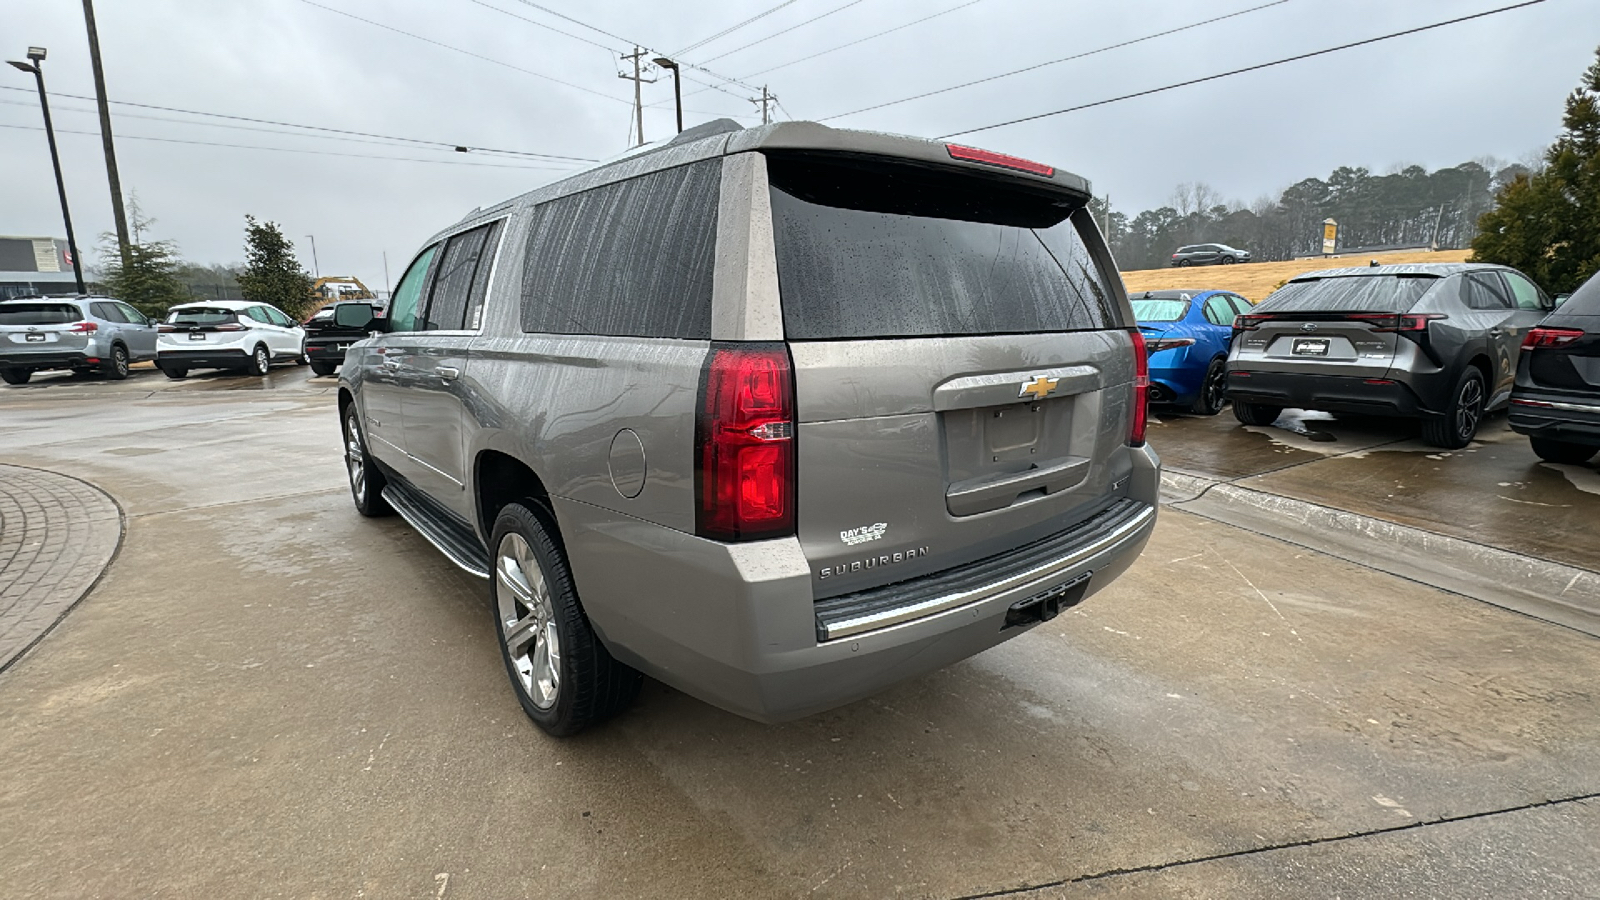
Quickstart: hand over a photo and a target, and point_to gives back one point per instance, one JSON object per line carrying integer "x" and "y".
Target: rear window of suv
{"x": 872, "y": 248}
{"x": 201, "y": 317}
{"x": 1356, "y": 293}
{"x": 38, "y": 313}
{"x": 1585, "y": 301}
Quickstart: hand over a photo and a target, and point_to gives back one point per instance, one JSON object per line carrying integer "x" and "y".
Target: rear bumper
{"x": 1332, "y": 393}
{"x": 1174, "y": 385}
{"x": 327, "y": 352}
{"x": 1561, "y": 418}
{"x": 203, "y": 359}
{"x": 736, "y": 625}
{"x": 61, "y": 359}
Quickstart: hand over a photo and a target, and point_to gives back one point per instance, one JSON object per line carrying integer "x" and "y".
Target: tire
{"x": 366, "y": 479}
{"x": 15, "y": 376}
{"x": 1182, "y": 263}
{"x": 323, "y": 369}
{"x": 304, "y": 357}
{"x": 562, "y": 675}
{"x": 1213, "y": 390}
{"x": 1462, "y": 415}
{"x": 1227, "y": 261}
{"x": 174, "y": 372}
{"x": 1256, "y": 413}
{"x": 1562, "y": 451}
{"x": 116, "y": 367}
{"x": 260, "y": 360}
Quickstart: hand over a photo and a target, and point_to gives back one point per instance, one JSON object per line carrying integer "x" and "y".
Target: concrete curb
{"x": 1554, "y": 592}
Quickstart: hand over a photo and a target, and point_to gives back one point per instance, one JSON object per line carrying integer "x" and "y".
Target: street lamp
{"x": 677, "y": 88}
{"x": 36, "y": 68}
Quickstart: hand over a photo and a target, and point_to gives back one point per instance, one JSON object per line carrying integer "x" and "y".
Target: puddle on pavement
{"x": 1584, "y": 478}
{"x": 132, "y": 451}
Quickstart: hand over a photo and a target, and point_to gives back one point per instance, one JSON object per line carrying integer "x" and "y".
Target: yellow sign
{"x": 1330, "y": 235}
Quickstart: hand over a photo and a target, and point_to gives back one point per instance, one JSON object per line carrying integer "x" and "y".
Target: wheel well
{"x": 500, "y": 479}
{"x": 344, "y": 404}
{"x": 1483, "y": 367}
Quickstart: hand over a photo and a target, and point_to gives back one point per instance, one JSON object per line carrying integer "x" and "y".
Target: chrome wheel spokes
{"x": 354, "y": 459}
{"x": 527, "y": 620}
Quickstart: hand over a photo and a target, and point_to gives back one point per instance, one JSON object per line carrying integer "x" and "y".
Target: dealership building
{"x": 35, "y": 265}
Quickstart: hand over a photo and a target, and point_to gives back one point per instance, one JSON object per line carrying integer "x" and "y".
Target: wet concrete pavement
{"x": 268, "y": 695}
{"x": 1495, "y": 492}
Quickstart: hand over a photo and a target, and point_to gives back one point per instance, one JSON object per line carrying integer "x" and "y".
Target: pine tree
{"x": 147, "y": 277}
{"x": 272, "y": 274}
{"x": 1547, "y": 224}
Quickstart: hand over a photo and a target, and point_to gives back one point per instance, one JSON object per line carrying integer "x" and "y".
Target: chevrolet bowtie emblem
{"x": 1039, "y": 388}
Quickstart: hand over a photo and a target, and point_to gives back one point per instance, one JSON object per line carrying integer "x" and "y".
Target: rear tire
{"x": 260, "y": 360}
{"x": 1213, "y": 390}
{"x": 562, "y": 675}
{"x": 15, "y": 376}
{"x": 1564, "y": 452}
{"x": 323, "y": 369}
{"x": 1256, "y": 413}
{"x": 117, "y": 366}
{"x": 1184, "y": 262}
{"x": 1228, "y": 261}
{"x": 175, "y": 372}
{"x": 1462, "y": 416}
{"x": 366, "y": 479}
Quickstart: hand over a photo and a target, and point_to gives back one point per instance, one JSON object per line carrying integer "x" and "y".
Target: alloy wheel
{"x": 263, "y": 362}
{"x": 119, "y": 361}
{"x": 355, "y": 458}
{"x": 1469, "y": 408}
{"x": 527, "y": 619}
{"x": 1216, "y": 388}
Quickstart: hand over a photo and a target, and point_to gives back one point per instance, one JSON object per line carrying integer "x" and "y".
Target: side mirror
{"x": 356, "y": 315}
{"x": 1559, "y": 299}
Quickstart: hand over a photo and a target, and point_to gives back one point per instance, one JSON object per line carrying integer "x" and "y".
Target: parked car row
{"x": 90, "y": 335}
{"x": 1442, "y": 344}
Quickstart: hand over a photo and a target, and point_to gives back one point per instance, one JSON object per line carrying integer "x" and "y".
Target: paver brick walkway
{"x": 56, "y": 536}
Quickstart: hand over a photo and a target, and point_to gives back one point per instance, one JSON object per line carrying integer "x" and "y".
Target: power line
{"x": 536, "y": 23}
{"x": 836, "y": 9}
{"x": 343, "y": 131}
{"x": 732, "y": 28}
{"x": 1105, "y": 49}
{"x": 863, "y": 40}
{"x": 1265, "y": 65}
{"x": 441, "y": 162}
{"x": 487, "y": 59}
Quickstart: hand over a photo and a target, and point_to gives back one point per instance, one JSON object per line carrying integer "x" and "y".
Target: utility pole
{"x": 637, "y": 78}
{"x": 386, "y": 288}
{"x": 766, "y": 99}
{"x": 315, "y": 266}
{"x": 117, "y": 214}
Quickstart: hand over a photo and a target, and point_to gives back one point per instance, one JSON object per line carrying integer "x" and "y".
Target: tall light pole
{"x": 36, "y": 54}
{"x": 677, "y": 87}
{"x": 315, "y": 267}
{"x": 118, "y": 216}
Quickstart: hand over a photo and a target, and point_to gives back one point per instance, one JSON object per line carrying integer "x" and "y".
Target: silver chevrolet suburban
{"x": 778, "y": 416}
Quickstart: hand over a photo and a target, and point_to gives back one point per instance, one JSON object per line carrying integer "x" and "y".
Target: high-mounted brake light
{"x": 1551, "y": 337}
{"x": 85, "y": 327}
{"x": 744, "y": 444}
{"x": 990, "y": 158}
{"x": 1141, "y": 392}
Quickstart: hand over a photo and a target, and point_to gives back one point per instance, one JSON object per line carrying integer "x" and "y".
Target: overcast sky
{"x": 1494, "y": 86}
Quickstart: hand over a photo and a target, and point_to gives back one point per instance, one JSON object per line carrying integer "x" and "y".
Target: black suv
{"x": 1556, "y": 401}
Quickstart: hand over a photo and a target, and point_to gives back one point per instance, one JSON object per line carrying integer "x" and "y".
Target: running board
{"x": 446, "y": 536}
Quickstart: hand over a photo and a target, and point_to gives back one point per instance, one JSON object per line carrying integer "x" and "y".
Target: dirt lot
{"x": 1257, "y": 280}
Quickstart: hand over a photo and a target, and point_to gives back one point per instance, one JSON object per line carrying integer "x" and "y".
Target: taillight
{"x": 1141, "y": 392}
{"x": 1153, "y": 346}
{"x": 230, "y": 326}
{"x": 990, "y": 158}
{"x": 1248, "y": 322}
{"x": 1388, "y": 322}
{"x": 744, "y": 444}
{"x": 166, "y": 329}
{"x": 84, "y": 327}
{"x": 1551, "y": 337}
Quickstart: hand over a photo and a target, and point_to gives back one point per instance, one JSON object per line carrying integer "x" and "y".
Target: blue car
{"x": 1186, "y": 334}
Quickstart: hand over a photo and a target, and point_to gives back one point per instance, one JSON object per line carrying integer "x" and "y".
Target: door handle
{"x": 448, "y": 373}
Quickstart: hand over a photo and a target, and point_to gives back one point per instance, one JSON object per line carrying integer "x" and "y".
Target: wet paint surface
{"x": 1494, "y": 492}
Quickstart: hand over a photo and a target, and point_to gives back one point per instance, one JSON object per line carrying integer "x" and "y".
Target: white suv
{"x": 227, "y": 334}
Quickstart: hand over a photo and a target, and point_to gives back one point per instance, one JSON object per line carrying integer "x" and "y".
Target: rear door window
{"x": 633, "y": 258}
{"x": 1218, "y": 310}
{"x": 130, "y": 314}
{"x": 1354, "y": 293}
{"x": 38, "y": 314}
{"x": 452, "y": 287}
{"x": 879, "y": 249}
{"x": 259, "y": 314}
{"x": 107, "y": 311}
{"x": 277, "y": 317}
{"x": 1482, "y": 290}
